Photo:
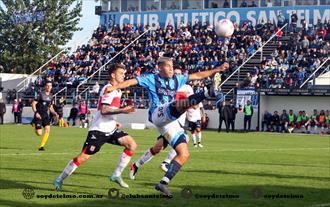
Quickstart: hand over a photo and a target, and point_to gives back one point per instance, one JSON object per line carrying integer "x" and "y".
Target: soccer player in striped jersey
{"x": 103, "y": 130}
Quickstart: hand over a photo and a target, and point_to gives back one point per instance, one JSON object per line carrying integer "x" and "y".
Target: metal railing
{"x": 258, "y": 50}
{"x": 314, "y": 73}
{"x": 63, "y": 89}
{"x": 26, "y": 81}
{"x": 105, "y": 64}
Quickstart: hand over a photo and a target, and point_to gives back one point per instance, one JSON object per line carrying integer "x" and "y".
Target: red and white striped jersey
{"x": 106, "y": 123}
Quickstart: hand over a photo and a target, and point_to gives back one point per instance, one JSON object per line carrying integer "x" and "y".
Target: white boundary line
{"x": 191, "y": 151}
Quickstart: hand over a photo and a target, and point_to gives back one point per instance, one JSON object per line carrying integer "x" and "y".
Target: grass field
{"x": 250, "y": 166}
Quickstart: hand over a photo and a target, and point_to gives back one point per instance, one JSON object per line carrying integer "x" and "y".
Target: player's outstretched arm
{"x": 207, "y": 73}
{"x": 107, "y": 110}
{"x": 122, "y": 85}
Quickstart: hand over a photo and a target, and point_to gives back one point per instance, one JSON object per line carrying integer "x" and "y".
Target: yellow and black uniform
{"x": 42, "y": 108}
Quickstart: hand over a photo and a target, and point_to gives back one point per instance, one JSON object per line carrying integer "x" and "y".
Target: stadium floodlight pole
{"x": 314, "y": 72}
{"x": 259, "y": 49}
{"x": 23, "y": 81}
{"x": 103, "y": 66}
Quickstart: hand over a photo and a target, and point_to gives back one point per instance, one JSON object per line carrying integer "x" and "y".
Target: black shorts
{"x": 194, "y": 125}
{"x": 95, "y": 140}
{"x": 44, "y": 121}
{"x": 165, "y": 142}
{"x": 82, "y": 116}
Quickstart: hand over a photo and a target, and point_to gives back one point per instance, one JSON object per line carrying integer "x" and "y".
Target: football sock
{"x": 44, "y": 139}
{"x": 199, "y": 134}
{"x": 170, "y": 155}
{"x": 173, "y": 169}
{"x": 146, "y": 157}
{"x": 194, "y": 138}
{"x": 69, "y": 169}
{"x": 123, "y": 162}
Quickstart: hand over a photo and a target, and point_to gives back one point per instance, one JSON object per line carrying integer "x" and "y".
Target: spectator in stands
{"x": 96, "y": 89}
{"x": 275, "y": 123}
{"x": 232, "y": 115}
{"x": 2, "y": 110}
{"x": 267, "y": 118}
{"x": 141, "y": 103}
{"x": 327, "y": 120}
{"x": 280, "y": 19}
{"x": 294, "y": 20}
{"x": 248, "y": 113}
{"x": 73, "y": 115}
{"x": 225, "y": 4}
{"x": 244, "y": 4}
{"x": 284, "y": 121}
{"x": 253, "y": 4}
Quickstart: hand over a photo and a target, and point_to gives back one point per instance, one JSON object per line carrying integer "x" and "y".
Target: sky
{"x": 88, "y": 22}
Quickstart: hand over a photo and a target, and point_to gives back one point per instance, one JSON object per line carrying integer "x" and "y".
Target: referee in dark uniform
{"x": 41, "y": 107}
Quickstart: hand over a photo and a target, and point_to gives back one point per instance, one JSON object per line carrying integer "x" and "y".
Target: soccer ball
{"x": 224, "y": 28}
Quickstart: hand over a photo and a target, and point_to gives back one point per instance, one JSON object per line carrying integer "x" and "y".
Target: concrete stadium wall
{"x": 141, "y": 116}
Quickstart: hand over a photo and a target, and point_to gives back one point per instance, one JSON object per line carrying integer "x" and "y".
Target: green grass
{"x": 233, "y": 163}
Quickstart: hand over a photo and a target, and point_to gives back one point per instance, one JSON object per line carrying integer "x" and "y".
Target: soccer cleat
{"x": 164, "y": 166}
{"x": 200, "y": 145}
{"x": 132, "y": 171}
{"x": 41, "y": 149}
{"x": 58, "y": 185}
{"x": 195, "y": 145}
{"x": 119, "y": 180}
{"x": 290, "y": 130}
{"x": 216, "y": 81}
{"x": 163, "y": 189}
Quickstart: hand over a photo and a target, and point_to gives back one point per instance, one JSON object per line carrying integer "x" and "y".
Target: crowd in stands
{"x": 194, "y": 48}
{"x": 318, "y": 122}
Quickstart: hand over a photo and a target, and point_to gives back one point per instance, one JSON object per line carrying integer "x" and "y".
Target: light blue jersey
{"x": 161, "y": 90}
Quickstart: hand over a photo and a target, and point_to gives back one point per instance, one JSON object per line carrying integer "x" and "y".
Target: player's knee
{"x": 39, "y": 132}
{"x": 185, "y": 155}
{"x": 132, "y": 146}
{"x": 82, "y": 158}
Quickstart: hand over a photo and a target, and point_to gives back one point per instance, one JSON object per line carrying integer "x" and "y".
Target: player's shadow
{"x": 272, "y": 175}
{"x": 10, "y": 184}
{"x": 244, "y": 195}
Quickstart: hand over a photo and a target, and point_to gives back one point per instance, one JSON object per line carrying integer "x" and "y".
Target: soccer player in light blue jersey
{"x": 164, "y": 110}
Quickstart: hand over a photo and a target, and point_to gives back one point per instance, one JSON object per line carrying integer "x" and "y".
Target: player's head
{"x": 291, "y": 112}
{"x": 315, "y": 111}
{"x": 284, "y": 111}
{"x": 117, "y": 73}
{"x": 165, "y": 65}
{"x": 48, "y": 86}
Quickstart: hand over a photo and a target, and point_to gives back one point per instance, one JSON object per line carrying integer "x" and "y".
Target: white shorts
{"x": 167, "y": 125}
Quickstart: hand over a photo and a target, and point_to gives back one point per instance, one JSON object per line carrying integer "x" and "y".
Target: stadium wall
{"x": 239, "y": 15}
{"x": 140, "y": 116}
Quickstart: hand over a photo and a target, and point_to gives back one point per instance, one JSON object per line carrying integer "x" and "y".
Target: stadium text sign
{"x": 255, "y": 15}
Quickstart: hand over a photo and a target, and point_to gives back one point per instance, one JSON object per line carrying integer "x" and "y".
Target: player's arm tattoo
{"x": 107, "y": 110}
